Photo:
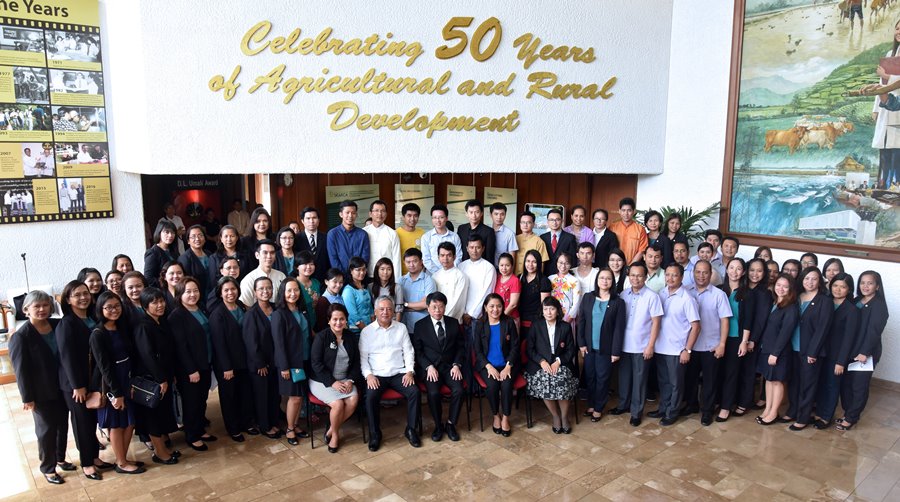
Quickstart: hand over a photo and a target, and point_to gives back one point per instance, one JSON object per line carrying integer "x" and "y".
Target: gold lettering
{"x": 487, "y": 88}
{"x": 255, "y": 34}
{"x": 604, "y": 91}
{"x": 337, "y": 109}
{"x": 229, "y": 87}
{"x": 273, "y": 79}
{"x": 529, "y": 52}
{"x": 541, "y": 80}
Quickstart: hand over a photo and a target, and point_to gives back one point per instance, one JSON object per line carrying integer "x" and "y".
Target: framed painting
{"x": 812, "y": 162}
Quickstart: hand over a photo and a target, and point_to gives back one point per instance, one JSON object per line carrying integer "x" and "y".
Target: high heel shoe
{"x": 497, "y": 430}
{"x": 760, "y": 421}
{"x": 292, "y": 440}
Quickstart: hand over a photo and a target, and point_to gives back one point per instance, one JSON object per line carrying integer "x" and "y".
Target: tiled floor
{"x": 609, "y": 460}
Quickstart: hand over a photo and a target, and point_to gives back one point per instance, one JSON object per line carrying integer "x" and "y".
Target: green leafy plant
{"x": 691, "y": 220}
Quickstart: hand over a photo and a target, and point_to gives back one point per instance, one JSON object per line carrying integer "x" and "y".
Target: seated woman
{"x": 550, "y": 370}
{"x": 336, "y": 371}
{"x": 290, "y": 334}
{"x": 112, "y": 348}
{"x": 601, "y": 330}
{"x": 497, "y": 358}
{"x": 154, "y": 359}
{"x": 35, "y": 359}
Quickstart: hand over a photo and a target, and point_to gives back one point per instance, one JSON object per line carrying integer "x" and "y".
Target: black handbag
{"x": 145, "y": 392}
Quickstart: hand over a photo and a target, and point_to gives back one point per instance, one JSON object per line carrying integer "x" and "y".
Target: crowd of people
{"x": 279, "y": 319}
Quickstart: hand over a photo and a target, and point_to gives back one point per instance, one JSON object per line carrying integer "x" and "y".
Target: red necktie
{"x": 553, "y": 243}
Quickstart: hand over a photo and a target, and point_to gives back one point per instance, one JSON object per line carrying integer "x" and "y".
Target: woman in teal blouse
{"x": 356, "y": 296}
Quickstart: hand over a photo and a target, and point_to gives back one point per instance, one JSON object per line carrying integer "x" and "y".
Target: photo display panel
{"x": 54, "y": 151}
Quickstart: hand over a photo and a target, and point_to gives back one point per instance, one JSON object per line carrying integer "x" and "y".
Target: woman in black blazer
{"x": 190, "y": 329}
{"x": 227, "y": 248}
{"x": 257, "y": 331}
{"x": 195, "y": 262}
{"x": 290, "y": 333}
{"x": 286, "y": 257}
{"x": 163, "y": 250}
{"x": 841, "y": 336}
{"x": 816, "y": 310}
{"x": 112, "y": 347}
{"x": 260, "y": 228}
{"x": 35, "y": 358}
{"x": 332, "y": 383}
{"x": 154, "y": 359}
{"x": 670, "y": 234}
{"x": 497, "y": 359}
{"x": 775, "y": 357}
{"x": 740, "y": 299}
{"x": 761, "y": 300}
{"x": 73, "y": 337}
{"x": 601, "y": 345}
{"x": 551, "y": 368}
{"x": 617, "y": 263}
{"x": 230, "y": 360}
{"x": 230, "y": 267}
{"x": 872, "y": 320}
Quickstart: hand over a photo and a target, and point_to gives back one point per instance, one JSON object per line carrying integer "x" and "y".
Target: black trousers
{"x": 266, "y": 400}
{"x": 671, "y": 384}
{"x": 193, "y": 404}
{"x": 597, "y": 371}
{"x": 747, "y": 379}
{"x": 52, "y": 431}
{"x": 84, "y": 428}
{"x": 633, "y": 373}
{"x": 730, "y": 371}
{"x": 803, "y": 387}
{"x": 235, "y": 401}
{"x": 499, "y": 394}
{"x": 434, "y": 397}
{"x": 702, "y": 396}
{"x": 373, "y": 402}
{"x": 855, "y": 393}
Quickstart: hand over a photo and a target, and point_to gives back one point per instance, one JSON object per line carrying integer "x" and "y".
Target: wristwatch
{"x": 406, "y": 305}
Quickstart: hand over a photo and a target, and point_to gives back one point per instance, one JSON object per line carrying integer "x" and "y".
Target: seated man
{"x": 439, "y": 346}
{"x": 387, "y": 359}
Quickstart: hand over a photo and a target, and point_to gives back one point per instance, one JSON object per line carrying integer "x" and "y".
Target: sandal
{"x": 841, "y": 427}
{"x": 595, "y": 417}
{"x": 740, "y": 411}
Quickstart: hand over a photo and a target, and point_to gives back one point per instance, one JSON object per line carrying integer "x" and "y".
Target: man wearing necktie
{"x": 312, "y": 240}
{"x": 439, "y": 356}
{"x": 557, "y": 241}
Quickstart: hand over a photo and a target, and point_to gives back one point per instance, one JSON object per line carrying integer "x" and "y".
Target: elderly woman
{"x": 35, "y": 359}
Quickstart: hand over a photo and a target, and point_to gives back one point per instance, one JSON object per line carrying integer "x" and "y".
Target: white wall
{"x": 57, "y": 250}
{"x": 695, "y": 144}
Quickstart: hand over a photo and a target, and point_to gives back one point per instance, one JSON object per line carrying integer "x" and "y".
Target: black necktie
{"x": 312, "y": 243}
{"x": 442, "y": 335}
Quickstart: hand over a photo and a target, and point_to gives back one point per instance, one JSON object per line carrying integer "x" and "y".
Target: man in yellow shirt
{"x": 410, "y": 235}
{"x": 528, "y": 240}
{"x": 632, "y": 235}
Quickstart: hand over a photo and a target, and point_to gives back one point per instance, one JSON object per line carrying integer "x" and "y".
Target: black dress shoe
{"x": 170, "y": 461}
{"x": 202, "y": 447}
{"x": 438, "y": 433}
{"x": 332, "y": 449}
{"x": 566, "y": 430}
{"x": 253, "y": 431}
{"x": 655, "y": 414}
{"x": 176, "y": 453}
{"x": 557, "y": 430}
{"x": 451, "y": 432}
{"x": 302, "y": 434}
{"x": 209, "y": 438}
{"x": 820, "y": 425}
{"x": 506, "y": 434}
{"x": 635, "y": 421}
{"x": 139, "y": 470}
{"x": 238, "y": 438}
{"x": 104, "y": 465}
{"x": 292, "y": 440}
{"x": 706, "y": 419}
{"x": 688, "y": 410}
{"x": 374, "y": 443}
{"x": 719, "y": 418}
{"x": 413, "y": 437}
{"x": 66, "y": 466}
{"x": 497, "y": 430}
{"x": 665, "y": 422}
{"x": 617, "y": 411}
{"x": 96, "y": 476}
{"x": 54, "y": 479}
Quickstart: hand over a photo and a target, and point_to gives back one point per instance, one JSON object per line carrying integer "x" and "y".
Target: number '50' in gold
{"x": 452, "y": 32}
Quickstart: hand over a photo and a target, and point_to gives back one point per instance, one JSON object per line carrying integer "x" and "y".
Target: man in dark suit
{"x": 439, "y": 343}
{"x": 557, "y": 241}
{"x": 314, "y": 241}
{"x": 604, "y": 238}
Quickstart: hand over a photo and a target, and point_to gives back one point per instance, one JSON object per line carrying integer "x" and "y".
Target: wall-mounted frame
{"x": 801, "y": 168}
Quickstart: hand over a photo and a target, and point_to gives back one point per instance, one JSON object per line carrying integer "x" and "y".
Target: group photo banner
{"x": 54, "y": 153}
{"x": 390, "y": 87}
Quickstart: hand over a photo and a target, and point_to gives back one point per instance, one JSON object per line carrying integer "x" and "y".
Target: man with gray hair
{"x": 388, "y": 362}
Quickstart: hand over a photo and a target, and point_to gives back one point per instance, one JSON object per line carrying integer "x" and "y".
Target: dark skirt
{"x": 288, "y": 387}
{"x": 111, "y": 418}
{"x": 160, "y": 420}
{"x": 778, "y": 373}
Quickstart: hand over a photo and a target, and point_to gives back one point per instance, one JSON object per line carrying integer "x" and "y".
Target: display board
{"x": 363, "y": 195}
{"x": 54, "y": 154}
{"x": 507, "y": 196}
{"x": 423, "y": 195}
{"x": 457, "y": 196}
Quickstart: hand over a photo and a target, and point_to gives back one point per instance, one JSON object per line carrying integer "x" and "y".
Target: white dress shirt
{"x": 385, "y": 352}
{"x": 455, "y": 286}
{"x": 430, "y": 241}
{"x": 482, "y": 277}
{"x": 383, "y": 243}
{"x": 248, "y": 295}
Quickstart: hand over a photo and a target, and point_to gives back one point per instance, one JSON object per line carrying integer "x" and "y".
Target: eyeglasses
{"x": 112, "y": 308}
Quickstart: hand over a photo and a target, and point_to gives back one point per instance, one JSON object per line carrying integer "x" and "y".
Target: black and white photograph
{"x": 38, "y": 160}
{"x": 79, "y": 119}
{"x": 73, "y": 46}
{"x": 18, "y": 198}
{"x": 17, "y": 117}
{"x": 21, "y": 39}
{"x": 31, "y": 85}
{"x": 76, "y": 82}
{"x": 82, "y": 153}
{"x": 71, "y": 195}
